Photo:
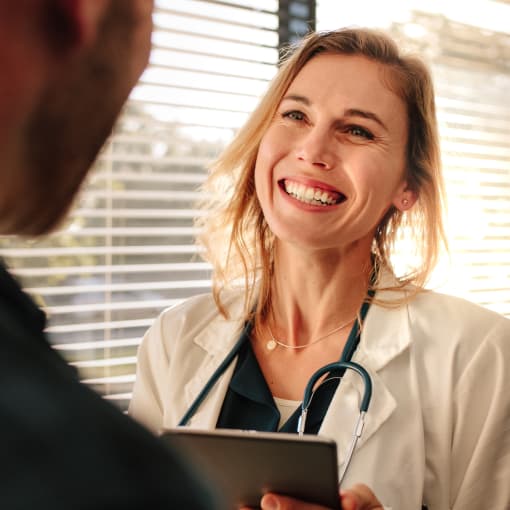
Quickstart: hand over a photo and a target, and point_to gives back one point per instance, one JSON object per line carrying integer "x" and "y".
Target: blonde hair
{"x": 234, "y": 233}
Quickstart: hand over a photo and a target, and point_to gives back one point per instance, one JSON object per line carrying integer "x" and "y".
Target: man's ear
{"x": 73, "y": 24}
{"x": 405, "y": 197}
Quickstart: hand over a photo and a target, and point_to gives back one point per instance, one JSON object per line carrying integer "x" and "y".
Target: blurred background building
{"x": 127, "y": 251}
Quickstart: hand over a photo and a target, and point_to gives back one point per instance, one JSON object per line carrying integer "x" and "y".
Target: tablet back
{"x": 245, "y": 465}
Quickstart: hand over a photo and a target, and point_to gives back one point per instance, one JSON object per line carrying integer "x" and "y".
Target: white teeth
{"x": 309, "y": 195}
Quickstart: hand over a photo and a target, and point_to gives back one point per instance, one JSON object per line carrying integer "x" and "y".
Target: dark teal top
{"x": 249, "y": 404}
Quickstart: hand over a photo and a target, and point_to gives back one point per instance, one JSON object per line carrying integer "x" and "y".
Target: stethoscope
{"x": 309, "y": 389}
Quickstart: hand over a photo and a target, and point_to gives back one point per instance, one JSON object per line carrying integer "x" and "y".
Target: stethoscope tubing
{"x": 307, "y": 396}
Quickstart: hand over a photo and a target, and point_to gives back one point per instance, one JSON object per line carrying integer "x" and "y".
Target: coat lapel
{"x": 216, "y": 340}
{"x": 385, "y": 335}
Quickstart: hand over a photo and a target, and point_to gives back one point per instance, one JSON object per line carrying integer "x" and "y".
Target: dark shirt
{"x": 61, "y": 445}
{"x": 249, "y": 404}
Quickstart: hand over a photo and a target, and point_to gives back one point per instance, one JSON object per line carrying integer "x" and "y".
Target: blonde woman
{"x": 340, "y": 161}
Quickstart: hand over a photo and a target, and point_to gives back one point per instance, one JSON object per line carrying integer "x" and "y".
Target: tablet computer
{"x": 245, "y": 465}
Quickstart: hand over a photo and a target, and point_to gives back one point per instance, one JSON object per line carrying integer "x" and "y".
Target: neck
{"x": 314, "y": 293}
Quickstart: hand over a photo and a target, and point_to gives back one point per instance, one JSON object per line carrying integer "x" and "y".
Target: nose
{"x": 315, "y": 147}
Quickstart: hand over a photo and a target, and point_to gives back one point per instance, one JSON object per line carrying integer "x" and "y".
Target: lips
{"x": 312, "y": 195}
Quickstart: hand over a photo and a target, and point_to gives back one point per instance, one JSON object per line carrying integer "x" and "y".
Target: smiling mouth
{"x": 310, "y": 194}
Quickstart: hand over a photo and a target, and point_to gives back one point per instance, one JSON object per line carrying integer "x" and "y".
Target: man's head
{"x": 66, "y": 69}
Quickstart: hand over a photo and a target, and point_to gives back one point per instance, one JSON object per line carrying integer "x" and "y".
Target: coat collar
{"x": 216, "y": 337}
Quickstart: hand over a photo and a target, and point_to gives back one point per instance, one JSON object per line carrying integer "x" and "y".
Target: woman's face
{"x": 332, "y": 161}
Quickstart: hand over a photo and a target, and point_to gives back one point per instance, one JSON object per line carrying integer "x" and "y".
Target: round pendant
{"x": 271, "y": 345}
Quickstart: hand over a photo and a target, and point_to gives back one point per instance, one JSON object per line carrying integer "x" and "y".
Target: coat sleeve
{"x": 152, "y": 369}
{"x": 480, "y": 469}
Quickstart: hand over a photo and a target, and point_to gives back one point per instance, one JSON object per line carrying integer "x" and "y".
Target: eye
{"x": 359, "y": 131}
{"x": 294, "y": 115}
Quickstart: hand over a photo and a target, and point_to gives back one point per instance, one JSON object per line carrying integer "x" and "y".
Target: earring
{"x": 405, "y": 202}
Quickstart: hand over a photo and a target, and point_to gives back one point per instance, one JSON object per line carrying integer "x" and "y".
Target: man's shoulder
{"x": 77, "y": 446}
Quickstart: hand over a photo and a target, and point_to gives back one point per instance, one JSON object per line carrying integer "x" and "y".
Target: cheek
{"x": 274, "y": 145}
{"x": 273, "y": 150}
{"x": 264, "y": 162}
{"x": 142, "y": 37}
{"x": 264, "y": 175}
{"x": 266, "y": 148}
{"x": 260, "y": 176}
{"x": 384, "y": 174}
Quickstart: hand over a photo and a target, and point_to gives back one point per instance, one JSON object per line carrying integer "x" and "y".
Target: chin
{"x": 302, "y": 240}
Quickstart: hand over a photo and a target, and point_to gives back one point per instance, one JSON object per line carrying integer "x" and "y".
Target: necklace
{"x": 273, "y": 342}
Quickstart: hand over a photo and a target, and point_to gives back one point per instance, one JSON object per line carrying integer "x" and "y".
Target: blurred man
{"x": 66, "y": 68}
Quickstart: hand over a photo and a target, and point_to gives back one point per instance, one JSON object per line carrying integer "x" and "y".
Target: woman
{"x": 338, "y": 166}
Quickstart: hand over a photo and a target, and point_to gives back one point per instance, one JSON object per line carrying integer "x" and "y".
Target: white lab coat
{"x": 438, "y": 426}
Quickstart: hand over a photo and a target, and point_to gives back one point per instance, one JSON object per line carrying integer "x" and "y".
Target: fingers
{"x": 277, "y": 502}
{"x": 359, "y": 497}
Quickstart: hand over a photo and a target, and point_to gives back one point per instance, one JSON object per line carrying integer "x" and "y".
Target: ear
{"x": 405, "y": 197}
{"x": 74, "y": 23}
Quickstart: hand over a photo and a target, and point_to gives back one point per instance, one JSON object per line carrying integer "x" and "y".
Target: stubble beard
{"x": 73, "y": 119}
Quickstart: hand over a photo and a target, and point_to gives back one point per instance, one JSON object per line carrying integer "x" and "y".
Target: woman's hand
{"x": 359, "y": 497}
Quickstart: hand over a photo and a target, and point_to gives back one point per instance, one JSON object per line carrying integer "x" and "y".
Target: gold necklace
{"x": 273, "y": 342}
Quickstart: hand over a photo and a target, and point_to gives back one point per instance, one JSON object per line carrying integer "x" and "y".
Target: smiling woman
{"x": 339, "y": 159}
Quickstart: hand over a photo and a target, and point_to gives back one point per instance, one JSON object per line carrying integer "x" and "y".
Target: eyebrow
{"x": 356, "y": 112}
{"x": 298, "y": 98}
{"x": 350, "y": 112}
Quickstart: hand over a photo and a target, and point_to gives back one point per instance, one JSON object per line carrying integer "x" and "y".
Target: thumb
{"x": 359, "y": 497}
{"x": 349, "y": 500}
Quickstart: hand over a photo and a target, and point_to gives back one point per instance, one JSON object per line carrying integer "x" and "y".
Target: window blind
{"x": 468, "y": 50}
{"x": 127, "y": 251}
